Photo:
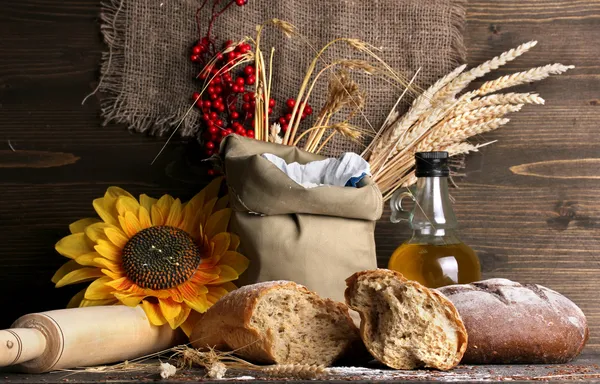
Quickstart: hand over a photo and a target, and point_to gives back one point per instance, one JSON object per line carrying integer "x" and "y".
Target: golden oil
{"x": 436, "y": 265}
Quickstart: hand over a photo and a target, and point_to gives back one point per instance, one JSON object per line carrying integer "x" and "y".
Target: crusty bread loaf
{"x": 278, "y": 322}
{"x": 404, "y": 324}
{"x": 510, "y": 323}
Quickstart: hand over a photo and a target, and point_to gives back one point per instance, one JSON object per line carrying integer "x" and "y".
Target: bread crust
{"x": 510, "y": 323}
{"x": 453, "y": 314}
{"x": 227, "y": 324}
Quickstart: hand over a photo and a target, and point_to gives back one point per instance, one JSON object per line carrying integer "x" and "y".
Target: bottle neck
{"x": 433, "y": 215}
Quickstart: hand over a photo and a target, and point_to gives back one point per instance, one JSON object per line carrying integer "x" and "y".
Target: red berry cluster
{"x": 222, "y": 111}
{"x": 227, "y": 104}
{"x": 284, "y": 120}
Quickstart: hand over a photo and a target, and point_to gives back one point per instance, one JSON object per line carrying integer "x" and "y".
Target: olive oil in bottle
{"x": 434, "y": 255}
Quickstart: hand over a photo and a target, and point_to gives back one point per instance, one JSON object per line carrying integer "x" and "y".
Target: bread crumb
{"x": 216, "y": 370}
{"x": 167, "y": 370}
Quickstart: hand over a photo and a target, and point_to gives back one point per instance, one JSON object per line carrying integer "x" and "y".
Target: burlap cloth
{"x": 147, "y": 78}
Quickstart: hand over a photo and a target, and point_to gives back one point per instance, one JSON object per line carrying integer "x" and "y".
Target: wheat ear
{"x": 499, "y": 99}
{"x": 301, "y": 371}
{"x": 512, "y": 80}
{"x": 462, "y": 81}
{"x": 420, "y": 105}
{"x": 447, "y": 136}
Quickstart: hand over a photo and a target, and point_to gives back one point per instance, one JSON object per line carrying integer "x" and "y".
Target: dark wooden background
{"x": 530, "y": 203}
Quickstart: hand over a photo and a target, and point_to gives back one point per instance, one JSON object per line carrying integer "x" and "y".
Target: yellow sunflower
{"x": 174, "y": 259}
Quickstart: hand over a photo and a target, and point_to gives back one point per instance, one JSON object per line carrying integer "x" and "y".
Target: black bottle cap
{"x": 432, "y": 164}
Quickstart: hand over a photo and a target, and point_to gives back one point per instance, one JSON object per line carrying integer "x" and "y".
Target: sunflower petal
{"x": 116, "y": 236}
{"x": 147, "y": 202}
{"x": 217, "y": 222}
{"x": 222, "y": 203}
{"x": 175, "y": 216}
{"x": 190, "y": 289}
{"x": 98, "y": 290}
{"x": 170, "y": 310}
{"x": 221, "y": 243}
{"x": 127, "y": 204}
{"x": 66, "y": 268}
{"x": 76, "y": 300}
{"x": 164, "y": 205}
{"x": 130, "y": 300}
{"x": 154, "y": 313}
{"x": 113, "y": 275}
{"x": 94, "y": 303}
{"x": 235, "y": 260}
{"x": 89, "y": 259}
{"x": 110, "y": 265}
{"x": 157, "y": 216}
{"x": 227, "y": 274}
{"x": 80, "y": 225}
{"x": 175, "y": 294}
{"x": 215, "y": 293}
{"x": 234, "y": 242}
{"x": 113, "y": 193}
{"x": 207, "y": 210}
{"x": 121, "y": 284}
{"x": 198, "y": 303}
{"x": 182, "y": 317}
{"x": 205, "y": 276}
{"x": 104, "y": 213}
{"x": 211, "y": 191}
{"x": 79, "y": 276}
{"x": 95, "y": 231}
{"x": 144, "y": 218}
{"x": 191, "y": 221}
{"x": 108, "y": 250}
{"x": 229, "y": 286}
{"x": 73, "y": 246}
{"x": 130, "y": 224}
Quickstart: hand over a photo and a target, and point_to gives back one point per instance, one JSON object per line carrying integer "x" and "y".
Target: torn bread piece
{"x": 278, "y": 322}
{"x": 404, "y": 324}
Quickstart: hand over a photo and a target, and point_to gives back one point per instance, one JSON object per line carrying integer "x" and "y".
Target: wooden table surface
{"x": 584, "y": 368}
{"x": 529, "y": 203}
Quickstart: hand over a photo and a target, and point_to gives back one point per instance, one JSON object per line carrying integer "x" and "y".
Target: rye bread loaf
{"x": 404, "y": 324}
{"x": 511, "y": 323}
{"x": 278, "y": 322}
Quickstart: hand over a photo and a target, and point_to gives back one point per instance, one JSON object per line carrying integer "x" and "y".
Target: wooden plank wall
{"x": 529, "y": 203}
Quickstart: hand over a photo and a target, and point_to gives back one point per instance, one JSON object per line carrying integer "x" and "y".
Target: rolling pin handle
{"x": 18, "y": 345}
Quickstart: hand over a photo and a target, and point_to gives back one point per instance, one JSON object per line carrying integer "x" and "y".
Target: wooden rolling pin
{"x": 82, "y": 337}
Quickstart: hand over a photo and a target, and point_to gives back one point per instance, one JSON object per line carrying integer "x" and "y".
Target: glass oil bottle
{"x": 434, "y": 255}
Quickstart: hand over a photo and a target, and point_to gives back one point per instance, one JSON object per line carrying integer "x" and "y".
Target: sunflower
{"x": 174, "y": 259}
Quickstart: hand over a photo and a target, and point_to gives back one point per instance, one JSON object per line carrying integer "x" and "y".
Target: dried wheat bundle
{"x": 216, "y": 364}
{"x": 442, "y": 120}
{"x": 343, "y": 95}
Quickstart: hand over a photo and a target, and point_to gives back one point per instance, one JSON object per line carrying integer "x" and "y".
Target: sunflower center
{"x": 160, "y": 257}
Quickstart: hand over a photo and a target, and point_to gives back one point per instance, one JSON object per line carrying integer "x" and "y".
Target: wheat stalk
{"x": 534, "y": 74}
{"x": 499, "y": 99}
